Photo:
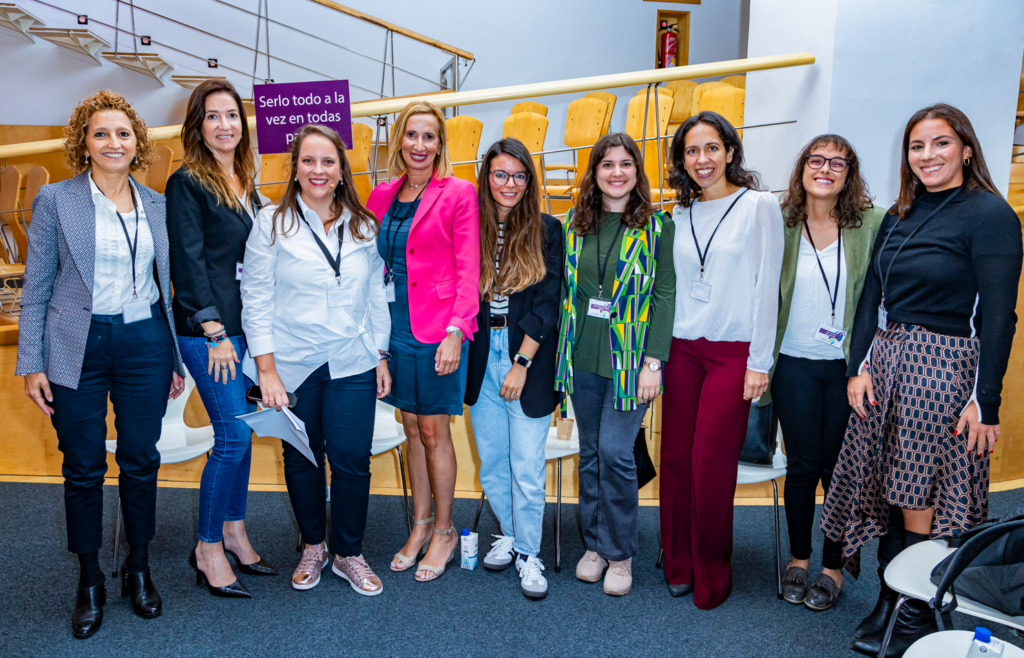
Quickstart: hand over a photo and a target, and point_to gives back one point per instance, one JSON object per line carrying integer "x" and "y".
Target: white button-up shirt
{"x": 285, "y": 307}
{"x": 112, "y": 273}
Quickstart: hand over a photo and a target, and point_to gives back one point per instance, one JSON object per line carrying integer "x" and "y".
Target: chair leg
{"x": 558, "y": 521}
{"x": 479, "y": 508}
{"x": 661, "y": 556}
{"x": 892, "y": 624}
{"x": 778, "y": 549}
{"x": 117, "y": 538}
{"x": 405, "y": 489}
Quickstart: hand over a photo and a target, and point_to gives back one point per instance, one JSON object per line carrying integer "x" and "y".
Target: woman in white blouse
{"x": 727, "y": 298}
{"x": 316, "y": 319}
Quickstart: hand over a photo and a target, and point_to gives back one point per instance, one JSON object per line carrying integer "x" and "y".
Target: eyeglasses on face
{"x": 838, "y": 165}
{"x": 520, "y": 178}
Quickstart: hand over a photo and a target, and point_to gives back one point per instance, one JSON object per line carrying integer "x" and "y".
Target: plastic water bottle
{"x": 984, "y": 645}
{"x": 469, "y": 551}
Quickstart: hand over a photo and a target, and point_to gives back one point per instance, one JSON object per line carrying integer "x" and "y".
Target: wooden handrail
{"x": 397, "y": 29}
{"x": 390, "y": 106}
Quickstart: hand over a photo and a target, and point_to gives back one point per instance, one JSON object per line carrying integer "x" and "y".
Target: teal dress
{"x": 415, "y": 385}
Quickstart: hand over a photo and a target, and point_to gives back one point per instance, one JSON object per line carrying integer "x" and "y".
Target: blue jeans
{"x": 225, "y": 483}
{"x": 511, "y": 448}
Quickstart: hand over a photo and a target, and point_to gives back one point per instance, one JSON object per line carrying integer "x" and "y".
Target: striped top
{"x": 499, "y": 305}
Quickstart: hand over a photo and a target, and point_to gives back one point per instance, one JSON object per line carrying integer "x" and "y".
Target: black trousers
{"x": 133, "y": 364}
{"x": 339, "y": 415}
{"x": 810, "y": 399}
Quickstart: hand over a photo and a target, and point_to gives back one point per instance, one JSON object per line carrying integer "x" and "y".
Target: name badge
{"x": 599, "y": 308}
{"x": 700, "y": 290}
{"x": 883, "y": 318}
{"x": 238, "y": 271}
{"x": 830, "y": 335}
{"x": 136, "y": 310}
{"x": 389, "y": 291}
{"x": 338, "y": 297}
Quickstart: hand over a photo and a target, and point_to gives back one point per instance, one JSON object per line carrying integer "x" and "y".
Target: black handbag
{"x": 645, "y": 471}
{"x": 762, "y": 436}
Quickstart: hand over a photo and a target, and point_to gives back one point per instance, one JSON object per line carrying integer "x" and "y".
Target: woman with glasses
{"x": 510, "y": 385}
{"x": 830, "y": 229}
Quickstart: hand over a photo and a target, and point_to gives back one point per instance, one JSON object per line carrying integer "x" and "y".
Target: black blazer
{"x": 532, "y": 312}
{"x": 207, "y": 240}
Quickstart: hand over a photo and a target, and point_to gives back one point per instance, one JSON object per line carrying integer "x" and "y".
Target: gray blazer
{"x": 56, "y": 301}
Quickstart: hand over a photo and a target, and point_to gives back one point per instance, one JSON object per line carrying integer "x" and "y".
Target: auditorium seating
{"x": 530, "y": 106}
{"x": 464, "y": 144}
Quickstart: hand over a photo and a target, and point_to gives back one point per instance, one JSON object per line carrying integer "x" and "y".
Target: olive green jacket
{"x": 858, "y": 244}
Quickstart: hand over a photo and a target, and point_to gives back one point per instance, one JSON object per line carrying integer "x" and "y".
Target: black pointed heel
{"x": 260, "y": 568}
{"x": 146, "y": 601}
{"x": 235, "y": 590}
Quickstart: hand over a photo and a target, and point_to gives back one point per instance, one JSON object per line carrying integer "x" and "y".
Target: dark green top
{"x": 593, "y": 348}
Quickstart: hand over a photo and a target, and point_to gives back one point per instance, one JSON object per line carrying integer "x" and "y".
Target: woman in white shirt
{"x": 316, "y": 320}
{"x": 727, "y": 297}
{"x": 830, "y": 231}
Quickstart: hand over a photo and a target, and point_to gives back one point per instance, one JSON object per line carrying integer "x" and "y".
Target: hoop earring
{"x": 967, "y": 162}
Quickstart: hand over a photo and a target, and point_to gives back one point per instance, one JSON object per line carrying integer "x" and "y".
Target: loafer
{"x": 822, "y": 594}
{"x": 88, "y": 615}
{"x": 794, "y": 585}
{"x": 146, "y": 601}
{"x": 619, "y": 578}
{"x": 679, "y": 590}
{"x": 591, "y": 567}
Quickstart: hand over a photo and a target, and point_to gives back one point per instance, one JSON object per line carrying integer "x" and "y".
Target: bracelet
{"x": 216, "y": 338}
{"x": 385, "y": 356}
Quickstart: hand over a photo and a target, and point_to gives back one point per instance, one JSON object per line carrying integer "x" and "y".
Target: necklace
{"x": 413, "y": 187}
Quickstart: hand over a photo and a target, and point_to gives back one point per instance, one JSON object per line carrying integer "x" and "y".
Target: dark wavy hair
{"x": 522, "y": 255}
{"x": 976, "y": 176}
{"x": 686, "y": 188}
{"x": 852, "y": 201}
{"x": 586, "y": 217}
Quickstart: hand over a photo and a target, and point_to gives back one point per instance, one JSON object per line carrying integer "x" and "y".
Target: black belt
{"x": 499, "y": 321}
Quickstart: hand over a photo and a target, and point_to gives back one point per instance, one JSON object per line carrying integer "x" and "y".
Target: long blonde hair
{"x": 442, "y": 160}
{"x": 198, "y": 159}
{"x": 522, "y": 255}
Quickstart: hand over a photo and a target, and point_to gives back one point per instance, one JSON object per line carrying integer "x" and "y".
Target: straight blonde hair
{"x": 442, "y": 160}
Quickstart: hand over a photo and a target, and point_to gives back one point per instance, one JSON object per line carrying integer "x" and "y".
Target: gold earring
{"x": 967, "y": 162}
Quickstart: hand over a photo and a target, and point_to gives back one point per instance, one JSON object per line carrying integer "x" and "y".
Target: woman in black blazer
{"x": 212, "y": 201}
{"x": 511, "y": 378}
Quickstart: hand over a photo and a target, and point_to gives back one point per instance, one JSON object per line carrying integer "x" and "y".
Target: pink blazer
{"x": 442, "y": 256}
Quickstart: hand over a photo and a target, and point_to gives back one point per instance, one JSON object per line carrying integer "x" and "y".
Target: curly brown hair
{"x": 586, "y": 218}
{"x": 852, "y": 201}
{"x": 74, "y": 132}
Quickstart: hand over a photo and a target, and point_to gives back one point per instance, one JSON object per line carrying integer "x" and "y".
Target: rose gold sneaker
{"x": 591, "y": 567}
{"x": 358, "y": 574}
{"x": 619, "y": 579}
{"x": 307, "y": 574}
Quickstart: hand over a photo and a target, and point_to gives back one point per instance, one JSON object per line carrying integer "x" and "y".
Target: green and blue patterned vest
{"x": 630, "y": 308}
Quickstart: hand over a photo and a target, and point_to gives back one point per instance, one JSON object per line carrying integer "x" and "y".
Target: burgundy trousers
{"x": 702, "y": 432}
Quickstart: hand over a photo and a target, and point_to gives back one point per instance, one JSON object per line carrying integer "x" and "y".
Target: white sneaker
{"x": 500, "y": 556}
{"x": 531, "y": 580}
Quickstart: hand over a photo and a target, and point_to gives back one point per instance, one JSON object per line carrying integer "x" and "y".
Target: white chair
{"x": 951, "y": 644}
{"x": 557, "y": 450}
{"x": 910, "y": 572}
{"x": 178, "y": 443}
{"x": 751, "y": 474}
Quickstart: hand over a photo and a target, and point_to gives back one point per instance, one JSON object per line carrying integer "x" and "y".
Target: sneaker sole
{"x": 619, "y": 593}
{"x": 533, "y": 595}
{"x": 497, "y": 569}
{"x": 588, "y": 580}
{"x": 339, "y": 572}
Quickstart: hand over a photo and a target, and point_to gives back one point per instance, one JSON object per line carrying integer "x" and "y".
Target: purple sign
{"x": 283, "y": 109}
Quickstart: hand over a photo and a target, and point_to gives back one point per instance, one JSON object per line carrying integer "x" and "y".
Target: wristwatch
{"x": 522, "y": 360}
{"x": 654, "y": 366}
{"x": 452, "y": 328}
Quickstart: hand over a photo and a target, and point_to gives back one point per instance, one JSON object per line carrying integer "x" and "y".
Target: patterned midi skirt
{"x": 904, "y": 453}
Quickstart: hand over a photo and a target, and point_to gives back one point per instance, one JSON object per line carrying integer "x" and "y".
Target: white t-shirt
{"x": 811, "y": 306}
{"x": 743, "y": 266}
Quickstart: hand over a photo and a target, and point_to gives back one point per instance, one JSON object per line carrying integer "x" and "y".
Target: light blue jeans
{"x": 511, "y": 449}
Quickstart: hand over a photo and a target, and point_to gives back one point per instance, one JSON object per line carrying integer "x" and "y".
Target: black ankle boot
{"x": 88, "y": 615}
{"x": 146, "y": 601}
{"x": 874, "y": 624}
{"x": 914, "y": 621}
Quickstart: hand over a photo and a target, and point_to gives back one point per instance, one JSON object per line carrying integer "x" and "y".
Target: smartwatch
{"x": 522, "y": 360}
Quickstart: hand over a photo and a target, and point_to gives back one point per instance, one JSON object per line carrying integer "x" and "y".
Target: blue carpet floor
{"x": 465, "y": 613}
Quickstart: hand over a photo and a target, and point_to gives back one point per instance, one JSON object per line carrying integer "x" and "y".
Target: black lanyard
{"x": 132, "y": 248}
{"x": 334, "y": 262}
{"x": 839, "y": 266}
{"x": 602, "y": 268}
{"x": 878, "y": 261}
{"x": 389, "y": 239}
{"x": 707, "y": 247}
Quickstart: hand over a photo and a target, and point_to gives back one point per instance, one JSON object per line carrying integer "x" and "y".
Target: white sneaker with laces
{"x": 500, "y": 556}
{"x": 531, "y": 580}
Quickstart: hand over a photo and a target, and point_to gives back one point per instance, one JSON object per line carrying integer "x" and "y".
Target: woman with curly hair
{"x": 830, "y": 229}
{"x": 96, "y": 322}
{"x": 724, "y": 331}
{"x": 616, "y": 325}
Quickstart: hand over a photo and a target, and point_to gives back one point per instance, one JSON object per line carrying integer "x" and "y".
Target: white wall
{"x": 532, "y": 41}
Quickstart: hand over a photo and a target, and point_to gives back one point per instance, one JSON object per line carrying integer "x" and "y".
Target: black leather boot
{"x": 874, "y": 624}
{"x": 88, "y": 615}
{"x": 146, "y": 601}
{"x": 914, "y": 621}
